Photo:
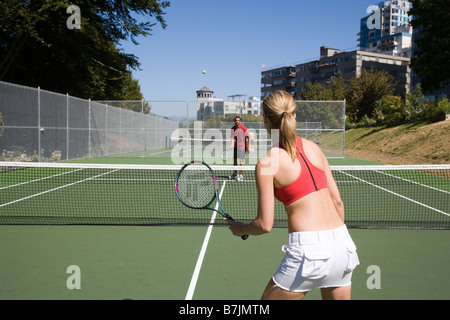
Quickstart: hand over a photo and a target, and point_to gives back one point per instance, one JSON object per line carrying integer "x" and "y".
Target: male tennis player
{"x": 320, "y": 252}
{"x": 240, "y": 142}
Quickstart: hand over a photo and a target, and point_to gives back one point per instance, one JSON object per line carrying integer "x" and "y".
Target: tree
{"x": 365, "y": 90}
{"x": 131, "y": 89}
{"x": 338, "y": 88}
{"x": 431, "y": 59}
{"x": 335, "y": 90}
{"x": 314, "y": 91}
{"x": 414, "y": 101}
{"x": 38, "y": 49}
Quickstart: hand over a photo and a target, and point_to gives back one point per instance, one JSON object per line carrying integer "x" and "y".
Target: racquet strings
{"x": 196, "y": 186}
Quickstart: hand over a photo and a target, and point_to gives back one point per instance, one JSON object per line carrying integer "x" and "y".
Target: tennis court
{"x": 133, "y": 241}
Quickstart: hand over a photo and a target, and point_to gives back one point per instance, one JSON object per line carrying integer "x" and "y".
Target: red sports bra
{"x": 310, "y": 179}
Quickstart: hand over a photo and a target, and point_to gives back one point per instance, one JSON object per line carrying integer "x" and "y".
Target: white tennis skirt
{"x": 317, "y": 259}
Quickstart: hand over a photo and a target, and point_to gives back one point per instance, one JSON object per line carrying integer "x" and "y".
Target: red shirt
{"x": 240, "y": 134}
{"x": 310, "y": 179}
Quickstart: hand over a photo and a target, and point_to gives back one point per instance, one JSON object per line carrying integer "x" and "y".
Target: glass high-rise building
{"x": 387, "y": 29}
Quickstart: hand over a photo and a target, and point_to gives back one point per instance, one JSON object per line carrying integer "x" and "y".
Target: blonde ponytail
{"x": 279, "y": 108}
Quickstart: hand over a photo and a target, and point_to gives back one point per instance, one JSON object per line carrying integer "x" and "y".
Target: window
{"x": 278, "y": 83}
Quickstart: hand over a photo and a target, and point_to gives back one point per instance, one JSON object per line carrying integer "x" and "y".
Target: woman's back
{"x": 309, "y": 207}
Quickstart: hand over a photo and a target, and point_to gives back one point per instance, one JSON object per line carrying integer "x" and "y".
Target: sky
{"x": 231, "y": 40}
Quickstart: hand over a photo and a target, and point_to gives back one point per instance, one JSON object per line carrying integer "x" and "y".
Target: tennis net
{"x": 85, "y": 194}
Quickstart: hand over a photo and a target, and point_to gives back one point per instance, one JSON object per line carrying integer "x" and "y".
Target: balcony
{"x": 327, "y": 64}
{"x": 290, "y": 84}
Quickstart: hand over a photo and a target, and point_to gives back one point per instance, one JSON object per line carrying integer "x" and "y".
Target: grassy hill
{"x": 417, "y": 143}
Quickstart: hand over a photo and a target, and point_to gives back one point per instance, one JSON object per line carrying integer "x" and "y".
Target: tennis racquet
{"x": 196, "y": 188}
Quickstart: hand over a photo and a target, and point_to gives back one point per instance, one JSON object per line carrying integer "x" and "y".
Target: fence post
{"x": 106, "y": 129}
{"x": 39, "y": 123}
{"x": 343, "y": 130}
{"x": 67, "y": 126}
{"x": 142, "y": 127}
{"x": 187, "y": 117}
{"x": 89, "y": 126}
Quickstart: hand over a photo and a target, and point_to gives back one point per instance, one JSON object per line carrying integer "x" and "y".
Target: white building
{"x": 208, "y": 106}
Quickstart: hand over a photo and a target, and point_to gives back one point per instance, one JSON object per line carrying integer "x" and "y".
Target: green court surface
{"x": 162, "y": 262}
{"x": 159, "y": 262}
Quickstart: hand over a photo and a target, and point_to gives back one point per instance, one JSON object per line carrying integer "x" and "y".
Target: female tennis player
{"x": 320, "y": 252}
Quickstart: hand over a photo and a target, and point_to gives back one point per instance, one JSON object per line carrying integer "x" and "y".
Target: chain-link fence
{"x": 39, "y": 125}
{"x": 322, "y": 122}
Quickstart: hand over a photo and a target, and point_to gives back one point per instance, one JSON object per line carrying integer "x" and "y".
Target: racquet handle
{"x": 231, "y": 219}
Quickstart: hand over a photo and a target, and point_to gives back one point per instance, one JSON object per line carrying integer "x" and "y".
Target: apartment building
{"x": 385, "y": 43}
{"x": 387, "y": 29}
{"x": 333, "y": 63}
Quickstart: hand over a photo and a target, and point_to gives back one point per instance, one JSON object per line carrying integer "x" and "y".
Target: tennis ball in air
{"x": 204, "y": 71}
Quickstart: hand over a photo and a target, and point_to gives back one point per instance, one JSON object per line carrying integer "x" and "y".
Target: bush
{"x": 444, "y": 106}
{"x": 434, "y": 111}
{"x": 390, "y": 110}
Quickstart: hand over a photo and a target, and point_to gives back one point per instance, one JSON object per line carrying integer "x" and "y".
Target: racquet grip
{"x": 231, "y": 219}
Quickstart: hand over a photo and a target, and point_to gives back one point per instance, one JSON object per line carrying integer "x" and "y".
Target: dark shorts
{"x": 239, "y": 153}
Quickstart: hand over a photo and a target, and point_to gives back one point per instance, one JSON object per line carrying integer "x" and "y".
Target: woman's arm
{"x": 263, "y": 222}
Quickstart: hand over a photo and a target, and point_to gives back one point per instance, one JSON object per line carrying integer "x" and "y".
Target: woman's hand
{"x": 236, "y": 227}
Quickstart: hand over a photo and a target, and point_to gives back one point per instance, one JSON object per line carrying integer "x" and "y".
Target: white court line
{"x": 414, "y": 182}
{"x": 198, "y": 266}
{"x": 396, "y": 194}
{"x": 54, "y": 189}
{"x": 40, "y": 179}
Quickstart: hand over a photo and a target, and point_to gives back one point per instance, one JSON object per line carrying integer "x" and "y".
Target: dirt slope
{"x": 405, "y": 144}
